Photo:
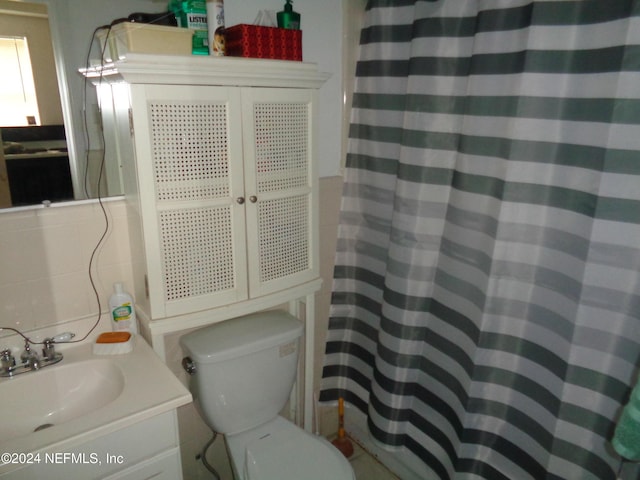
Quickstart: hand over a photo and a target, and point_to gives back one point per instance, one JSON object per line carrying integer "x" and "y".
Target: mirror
{"x": 34, "y": 162}
{"x": 63, "y": 163}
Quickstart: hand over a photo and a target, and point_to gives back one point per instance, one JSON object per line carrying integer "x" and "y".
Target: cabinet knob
{"x": 253, "y": 199}
{"x": 240, "y": 200}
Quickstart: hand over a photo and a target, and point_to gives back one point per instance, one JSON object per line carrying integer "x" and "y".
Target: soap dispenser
{"x": 288, "y": 18}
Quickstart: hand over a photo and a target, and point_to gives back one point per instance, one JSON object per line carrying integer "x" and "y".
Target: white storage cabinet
{"x": 227, "y": 193}
{"x": 222, "y": 180}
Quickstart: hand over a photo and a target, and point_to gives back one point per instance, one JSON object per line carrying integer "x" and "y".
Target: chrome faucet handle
{"x": 49, "y": 353}
{"x": 61, "y": 337}
{"x": 7, "y": 362}
{"x": 49, "y": 350}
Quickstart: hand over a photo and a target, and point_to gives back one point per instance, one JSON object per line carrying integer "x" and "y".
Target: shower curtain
{"x": 485, "y": 311}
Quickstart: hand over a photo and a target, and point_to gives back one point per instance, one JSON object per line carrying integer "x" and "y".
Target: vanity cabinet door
{"x": 280, "y": 182}
{"x": 188, "y": 146}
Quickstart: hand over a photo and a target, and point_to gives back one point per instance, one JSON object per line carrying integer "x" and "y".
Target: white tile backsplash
{"x": 22, "y": 255}
{"x": 44, "y": 262}
{"x": 15, "y": 306}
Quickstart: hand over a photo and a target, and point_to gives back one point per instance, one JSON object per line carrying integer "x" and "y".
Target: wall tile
{"x": 22, "y": 255}
{"x": 44, "y": 262}
{"x": 15, "y": 309}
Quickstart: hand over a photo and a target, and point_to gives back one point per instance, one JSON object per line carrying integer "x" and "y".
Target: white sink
{"x": 84, "y": 397}
{"x": 54, "y": 395}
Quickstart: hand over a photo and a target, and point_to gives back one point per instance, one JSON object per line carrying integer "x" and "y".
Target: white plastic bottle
{"x": 215, "y": 22}
{"x": 122, "y": 310}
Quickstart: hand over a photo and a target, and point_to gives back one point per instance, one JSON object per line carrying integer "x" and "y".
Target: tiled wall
{"x": 44, "y": 260}
{"x": 330, "y": 197}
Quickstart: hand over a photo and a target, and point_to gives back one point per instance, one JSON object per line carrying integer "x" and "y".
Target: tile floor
{"x": 367, "y": 467}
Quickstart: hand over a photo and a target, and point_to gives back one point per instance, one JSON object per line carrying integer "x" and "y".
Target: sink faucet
{"x": 30, "y": 359}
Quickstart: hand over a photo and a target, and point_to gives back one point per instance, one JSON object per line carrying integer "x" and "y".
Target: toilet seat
{"x": 281, "y": 450}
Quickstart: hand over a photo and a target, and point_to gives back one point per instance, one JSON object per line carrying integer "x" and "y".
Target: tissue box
{"x": 145, "y": 38}
{"x": 263, "y": 42}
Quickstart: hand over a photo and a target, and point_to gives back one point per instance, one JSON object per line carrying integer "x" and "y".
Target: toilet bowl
{"x": 241, "y": 374}
{"x": 280, "y": 450}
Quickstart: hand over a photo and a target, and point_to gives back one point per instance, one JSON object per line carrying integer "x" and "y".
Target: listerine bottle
{"x": 192, "y": 14}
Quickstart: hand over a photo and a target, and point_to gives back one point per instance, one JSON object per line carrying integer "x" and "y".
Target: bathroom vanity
{"x": 93, "y": 416}
{"x": 218, "y": 165}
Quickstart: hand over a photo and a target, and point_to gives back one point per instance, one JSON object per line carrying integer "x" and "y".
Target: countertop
{"x": 150, "y": 389}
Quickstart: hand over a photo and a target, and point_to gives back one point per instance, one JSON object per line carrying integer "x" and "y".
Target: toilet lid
{"x": 293, "y": 454}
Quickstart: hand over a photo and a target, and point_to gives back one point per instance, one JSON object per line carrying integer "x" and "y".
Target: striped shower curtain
{"x": 485, "y": 313}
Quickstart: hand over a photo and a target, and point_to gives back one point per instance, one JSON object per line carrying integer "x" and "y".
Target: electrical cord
{"x": 85, "y": 187}
{"x": 205, "y": 462}
{"x": 86, "y": 179}
{"x": 100, "y": 173}
{"x": 84, "y": 101}
{"x": 102, "y": 161}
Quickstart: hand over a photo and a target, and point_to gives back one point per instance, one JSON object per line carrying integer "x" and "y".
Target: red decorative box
{"x": 263, "y": 42}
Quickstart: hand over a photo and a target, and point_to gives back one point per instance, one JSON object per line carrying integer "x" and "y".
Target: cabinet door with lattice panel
{"x": 189, "y": 157}
{"x": 281, "y": 189}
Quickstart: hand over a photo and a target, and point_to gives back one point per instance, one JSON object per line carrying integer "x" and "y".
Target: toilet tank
{"x": 245, "y": 368}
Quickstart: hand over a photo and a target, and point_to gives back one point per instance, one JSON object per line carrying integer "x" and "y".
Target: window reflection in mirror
{"x": 17, "y": 88}
{"x": 34, "y": 163}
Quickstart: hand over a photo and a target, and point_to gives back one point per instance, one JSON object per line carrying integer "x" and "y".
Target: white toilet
{"x": 242, "y": 372}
